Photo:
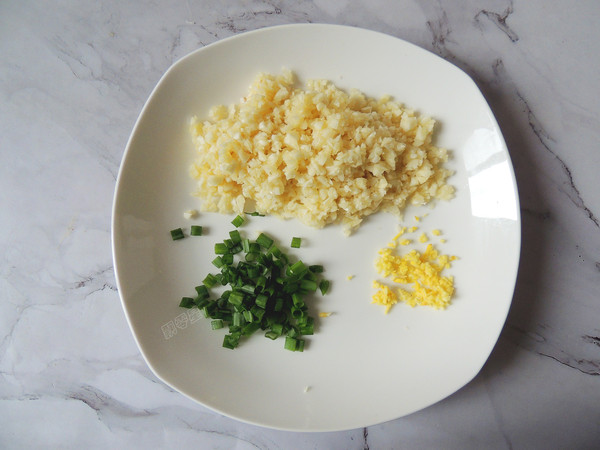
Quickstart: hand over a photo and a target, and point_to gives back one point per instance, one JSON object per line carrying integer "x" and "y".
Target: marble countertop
{"x": 74, "y": 75}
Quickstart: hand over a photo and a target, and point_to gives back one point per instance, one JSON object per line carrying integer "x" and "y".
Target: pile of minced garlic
{"x": 421, "y": 270}
{"x": 318, "y": 154}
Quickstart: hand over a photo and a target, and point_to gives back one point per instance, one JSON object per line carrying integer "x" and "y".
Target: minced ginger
{"x": 422, "y": 270}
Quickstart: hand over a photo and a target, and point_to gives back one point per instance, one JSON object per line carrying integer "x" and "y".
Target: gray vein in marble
{"x": 260, "y": 15}
{"x": 365, "y": 438}
{"x": 221, "y": 433}
{"x": 441, "y": 34}
{"x": 592, "y": 339}
{"x": 499, "y": 420}
{"x": 92, "y": 279}
{"x": 100, "y": 402}
{"x": 543, "y": 137}
{"x": 499, "y": 19}
{"x": 440, "y": 30}
{"x": 535, "y": 341}
{"x": 547, "y": 142}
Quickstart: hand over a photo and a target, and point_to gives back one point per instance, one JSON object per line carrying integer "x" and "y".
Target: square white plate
{"x": 362, "y": 367}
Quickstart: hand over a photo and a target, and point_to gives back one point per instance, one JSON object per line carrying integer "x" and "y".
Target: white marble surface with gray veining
{"x": 73, "y": 78}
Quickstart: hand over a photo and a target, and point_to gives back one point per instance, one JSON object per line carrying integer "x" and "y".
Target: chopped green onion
{"x": 216, "y": 324}
{"x": 308, "y": 328}
{"x": 297, "y": 313}
{"x": 258, "y": 312}
{"x": 196, "y": 230}
{"x": 277, "y": 328}
{"x": 275, "y": 251}
{"x": 254, "y": 213}
{"x": 236, "y": 298}
{"x": 290, "y": 343}
{"x": 177, "y": 233}
{"x": 187, "y": 302}
{"x": 210, "y": 280}
{"x": 202, "y": 291}
{"x": 250, "y": 328}
{"x": 235, "y": 236}
{"x": 264, "y": 241}
{"x": 221, "y": 248}
{"x": 238, "y": 221}
{"x": 247, "y": 288}
{"x": 271, "y": 335}
{"x": 263, "y": 290}
{"x": 298, "y": 268}
{"x": 261, "y": 301}
{"x": 235, "y": 249}
{"x": 201, "y": 302}
{"x": 218, "y": 262}
{"x": 324, "y": 286}
{"x": 278, "y": 304}
{"x": 246, "y": 245}
{"x": 317, "y": 268}
{"x": 309, "y": 285}
{"x": 230, "y": 341}
{"x": 251, "y": 256}
{"x": 297, "y": 300}
{"x": 238, "y": 319}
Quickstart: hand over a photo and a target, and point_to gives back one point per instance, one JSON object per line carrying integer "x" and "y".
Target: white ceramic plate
{"x": 362, "y": 367}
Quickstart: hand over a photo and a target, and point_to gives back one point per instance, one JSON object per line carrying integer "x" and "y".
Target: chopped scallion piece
{"x": 246, "y": 245}
{"x": 324, "y": 286}
{"x": 238, "y": 221}
{"x": 264, "y": 241}
{"x": 309, "y": 285}
{"x": 196, "y": 230}
{"x": 271, "y": 335}
{"x": 230, "y": 342}
{"x": 298, "y": 268}
{"x": 218, "y": 262}
{"x": 216, "y": 324}
{"x": 317, "y": 268}
{"x": 235, "y": 236}
{"x": 236, "y": 298}
{"x": 187, "y": 302}
{"x": 251, "y": 256}
{"x": 261, "y": 301}
{"x": 221, "y": 248}
{"x": 248, "y": 316}
{"x": 290, "y": 343}
{"x": 210, "y": 280}
{"x": 177, "y": 234}
{"x": 263, "y": 290}
{"x": 238, "y": 319}
{"x": 202, "y": 291}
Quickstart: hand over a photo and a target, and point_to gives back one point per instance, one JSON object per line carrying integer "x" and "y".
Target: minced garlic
{"x": 319, "y": 154}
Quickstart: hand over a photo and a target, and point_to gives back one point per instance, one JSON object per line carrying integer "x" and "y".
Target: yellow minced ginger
{"x": 318, "y": 154}
{"x": 421, "y": 270}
